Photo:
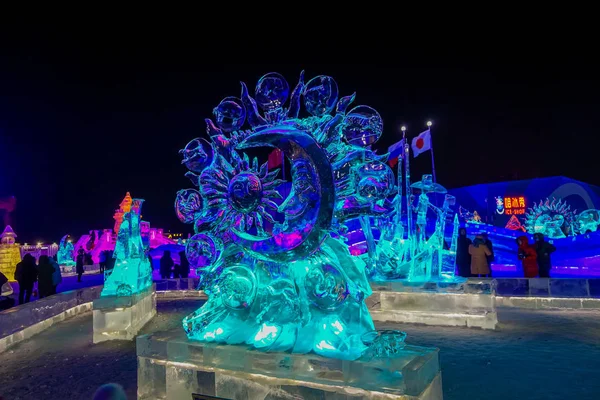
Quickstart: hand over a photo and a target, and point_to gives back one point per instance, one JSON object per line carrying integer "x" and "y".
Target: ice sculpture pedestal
{"x": 121, "y": 317}
{"x": 471, "y": 303}
{"x": 170, "y": 366}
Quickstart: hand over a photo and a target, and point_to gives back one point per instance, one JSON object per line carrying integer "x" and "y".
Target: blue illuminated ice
{"x": 132, "y": 272}
{"x": 276, "y": 268}
{"x": 65, "y": 252}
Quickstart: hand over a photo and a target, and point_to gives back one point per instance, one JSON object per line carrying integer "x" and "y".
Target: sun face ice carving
{"x": 277, "y": 274}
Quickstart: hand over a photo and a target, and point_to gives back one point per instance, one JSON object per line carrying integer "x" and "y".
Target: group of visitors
{"x": 46, "y": 273}
{"x": 474, "y": 258}
{"x": 536, "y": 256}
{"x": 168, "y": 266}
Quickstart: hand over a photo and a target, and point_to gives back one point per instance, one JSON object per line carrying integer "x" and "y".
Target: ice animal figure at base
{"x": 132, "y": 272}
{"x": 65, "y": 252}
{"x": 290, "y": 285}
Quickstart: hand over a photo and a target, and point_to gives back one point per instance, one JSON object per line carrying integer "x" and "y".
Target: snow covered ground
{"x": 533, "y": 355}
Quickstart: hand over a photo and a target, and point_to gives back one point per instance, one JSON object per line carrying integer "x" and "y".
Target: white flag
{"x": 421, "y": 143}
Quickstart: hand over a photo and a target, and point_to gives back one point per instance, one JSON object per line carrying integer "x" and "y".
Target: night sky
{"x": 84, "y": 122}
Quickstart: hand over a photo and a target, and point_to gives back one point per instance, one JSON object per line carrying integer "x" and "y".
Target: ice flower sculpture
{"x": 65, "y": 252}
{"x": 277, "y": 274}
{"x": 132, "y": 272}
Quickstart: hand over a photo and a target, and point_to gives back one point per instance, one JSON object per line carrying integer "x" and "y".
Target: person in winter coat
{"x": 528, "y": 255}
{"x": 79, "y": 264}
{"x": 3, "y": 279}
{"x": 479, "y": 253}
{"x": 110, "y": 263}
{"x": 45, "y": 273}
{"x": 5, "y": 291}
{"x": 102, "y": 261}
{"x": 184, "y": 265}
{"x": 57, "y": 275}
{"x": 463, "y": 258}
{"x": 543, "y": 250}
{"x": 166, "y": 265}
{"x": 26, "y": 274}
{"x": 490, "y": 247}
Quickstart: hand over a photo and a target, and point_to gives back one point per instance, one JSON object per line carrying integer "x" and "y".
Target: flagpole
{"x": 283, "y": 169}
{"x": 429, "y": 123}
{"x": 408, "y": 191}
{"x": 399, "y": 204}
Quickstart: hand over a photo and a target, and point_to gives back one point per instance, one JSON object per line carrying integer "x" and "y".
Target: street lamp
{"x": 403, "y": 128}
{"x": 429, "y": 123}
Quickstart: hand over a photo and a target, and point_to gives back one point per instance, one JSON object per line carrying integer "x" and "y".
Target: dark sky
{"x": 85, "y": 121}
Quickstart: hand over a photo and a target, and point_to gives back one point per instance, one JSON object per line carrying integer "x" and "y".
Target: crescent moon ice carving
{"x": 309, "y": 207}
{"x": 294, "y": 287}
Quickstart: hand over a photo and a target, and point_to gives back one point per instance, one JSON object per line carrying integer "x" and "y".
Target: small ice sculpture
{"x": 588, "y": 221}
{"x": 132, "y": 272}
{"x": 278, "y": 275}
{"x": 384, "y": 343}
{"x": 65, "y": 252}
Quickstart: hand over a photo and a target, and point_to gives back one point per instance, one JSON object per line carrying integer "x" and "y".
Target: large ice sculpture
{"x": 65, "y": 252}
{"x": 277, "y": 272}
{"x": 132, "y": 272}
{"x": 554, "y": 218}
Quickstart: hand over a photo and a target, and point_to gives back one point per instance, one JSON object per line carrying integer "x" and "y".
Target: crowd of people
{"x": 45, "y": 271}
{"x": 474, "y": 258}
{"x": 536, "y": 256}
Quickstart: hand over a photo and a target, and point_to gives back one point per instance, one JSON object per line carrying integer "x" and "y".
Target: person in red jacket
{"x": 528, "y": 254}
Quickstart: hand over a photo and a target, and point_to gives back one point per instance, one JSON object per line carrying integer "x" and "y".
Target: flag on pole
{"x": 394, "y": 152}
{"x": 275, "y": 158}
{"x": 421, "y": 143}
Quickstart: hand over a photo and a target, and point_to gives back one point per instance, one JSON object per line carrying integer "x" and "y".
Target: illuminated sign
{"x": 513, "y": 205}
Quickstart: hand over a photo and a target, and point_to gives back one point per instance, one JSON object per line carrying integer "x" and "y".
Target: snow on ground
{"x": 533, "y": 355}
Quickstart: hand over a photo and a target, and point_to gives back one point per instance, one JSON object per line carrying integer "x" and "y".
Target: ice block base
{"x": 471, "y": 303}
{"x": 121, "y": 317}
{"x": 170, "y": 366}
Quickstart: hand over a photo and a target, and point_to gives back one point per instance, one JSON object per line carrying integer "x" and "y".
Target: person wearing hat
{"x": 479, "y": 253}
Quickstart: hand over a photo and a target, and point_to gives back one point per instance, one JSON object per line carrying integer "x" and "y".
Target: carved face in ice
{"x": 304, "y": 194}
{"x": 187, "y": 203}
{"x": 230, "y": 114}
{"x": 272, "y": 91}
{"x": 202, "y": 250}
{"x": 362, "y": 126}
{"x": 373, "y": 181}
{"x": 245, "y": 192}
{"x": 196, "y": 155}
{"x": 320, "y": 95}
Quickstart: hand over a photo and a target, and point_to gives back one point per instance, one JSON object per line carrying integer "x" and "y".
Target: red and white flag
{"x": 421, "y": 143}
